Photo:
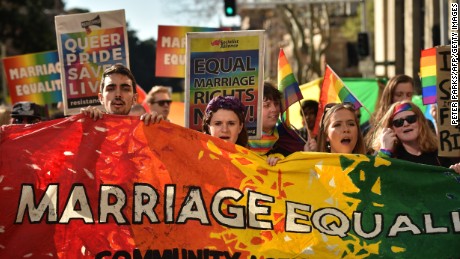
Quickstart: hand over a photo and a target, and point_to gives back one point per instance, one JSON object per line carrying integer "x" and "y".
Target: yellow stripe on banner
{"x": 428, "y": 61}
{"x": 285, "y": 70}
{"x": 427, "y": 71}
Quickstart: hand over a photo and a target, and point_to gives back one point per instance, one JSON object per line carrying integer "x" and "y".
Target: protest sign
{"x": 448, "y": 134}
{"x": 227, "y": 64}
{"x": 34, "y": 77}
{"x": 88, "y": 44}
{"x": 115, "y": 188}
{"x": 170, "y": 50}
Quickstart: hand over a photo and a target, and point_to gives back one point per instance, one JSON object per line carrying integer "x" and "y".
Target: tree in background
{"x": 27, "y": 26}
{"x": 309, "y": 30}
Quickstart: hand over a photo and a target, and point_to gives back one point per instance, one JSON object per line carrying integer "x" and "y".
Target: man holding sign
{"x": 117, "y": 94}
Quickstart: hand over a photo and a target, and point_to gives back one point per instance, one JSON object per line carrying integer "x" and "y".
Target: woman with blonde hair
{"x": 404, "y": 134}
{"x": 339, "y": 130}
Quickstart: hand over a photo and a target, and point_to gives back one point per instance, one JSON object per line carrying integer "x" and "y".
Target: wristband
{"x": 383, "y": 152}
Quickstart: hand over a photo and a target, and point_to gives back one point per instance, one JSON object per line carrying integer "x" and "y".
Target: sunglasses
{"x": 400, "y": 122}
{"x": 163, "y": 102}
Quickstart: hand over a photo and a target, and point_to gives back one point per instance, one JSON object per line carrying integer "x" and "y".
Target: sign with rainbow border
{"x": 170, "y": 50}
{"x": 34, "y": 77}
{"x": 228, "y": 64}
{"x": 89, "y": 43}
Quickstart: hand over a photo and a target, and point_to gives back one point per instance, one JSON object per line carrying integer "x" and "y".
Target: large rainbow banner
{"x": 170, "y": 50}
{"x": 89, "y": 43}
{"x": 116, "y": 188}
{"x": 34, "y": 77}
{"x": 228, "y": 64}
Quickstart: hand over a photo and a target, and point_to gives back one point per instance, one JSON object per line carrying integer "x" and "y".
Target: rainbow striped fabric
{"x": 333, "y": 90}
{"x": 265, "y": 143}
{"x": 287, "y": 83}
{"x": 428, "y": 75}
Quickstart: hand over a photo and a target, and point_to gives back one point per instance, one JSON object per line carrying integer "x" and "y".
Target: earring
{"x": 328, "y": 146}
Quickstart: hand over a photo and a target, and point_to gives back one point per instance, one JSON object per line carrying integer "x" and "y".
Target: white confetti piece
{"x": 90, "y": 175}
{"x": 101, "y": 129}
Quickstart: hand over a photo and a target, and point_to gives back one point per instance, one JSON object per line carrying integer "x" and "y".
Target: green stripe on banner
{"x": 343, "y": 94}
{"x": 288, "y": 80}
{"x": 428, "y": 81}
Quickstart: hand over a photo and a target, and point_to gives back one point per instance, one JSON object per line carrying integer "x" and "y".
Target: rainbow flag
{"x": 428, "y": 75}
{"x": 333, "y": 90}
{"x": 288, "y": 85}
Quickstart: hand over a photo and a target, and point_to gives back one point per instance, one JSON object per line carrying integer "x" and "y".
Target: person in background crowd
{"x": 277, "y": 140}
{"x": 339, "y": 130}
{"x": 310, "y": 109}
{"x": 159, "y": 100}
{"x": 137, "y": 110}
{"x": 5, "y": 115}
{"x": 224, "y": 119}
{"x": 117, "y": 94}
{"x": 405, "y": 134}
{"x": 26, "y": 113}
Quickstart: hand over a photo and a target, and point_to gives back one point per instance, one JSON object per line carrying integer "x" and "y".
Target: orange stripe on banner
{"x": 282, "y": 62}
{"x": 428, "y": 61}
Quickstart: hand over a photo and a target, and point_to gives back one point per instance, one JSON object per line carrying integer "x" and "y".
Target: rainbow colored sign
{"x": 34, "y": 77}
{"x": 428, "y": 75}
{"x": 88, "y": 44}
{"x": 225, "y": 63}
{"x": 170, "y": 50}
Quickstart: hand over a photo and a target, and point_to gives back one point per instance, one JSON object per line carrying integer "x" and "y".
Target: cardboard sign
{"x": 34, "y": 77}
{"x": 88, "y": 44}
{"x": 227, "y": 64}
{"x": 448, "y": 134}
{"x": 170, "y": 50}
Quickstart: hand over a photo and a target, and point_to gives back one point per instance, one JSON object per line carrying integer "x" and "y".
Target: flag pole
{"x": 304, "y": 121}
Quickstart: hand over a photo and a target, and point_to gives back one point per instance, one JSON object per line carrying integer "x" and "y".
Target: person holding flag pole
{"x": 289, "y": 86}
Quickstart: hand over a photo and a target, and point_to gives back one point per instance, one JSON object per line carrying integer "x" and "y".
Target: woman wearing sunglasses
{"x": 404, "y": 134}
{"x": 339, "y": 130}
{"x": 224, "y": 119}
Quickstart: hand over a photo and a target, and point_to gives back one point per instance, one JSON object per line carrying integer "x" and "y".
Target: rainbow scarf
{"x": 263, "y": 145}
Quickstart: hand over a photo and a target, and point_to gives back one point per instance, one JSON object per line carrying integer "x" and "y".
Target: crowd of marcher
{"x": 398, "y": 129}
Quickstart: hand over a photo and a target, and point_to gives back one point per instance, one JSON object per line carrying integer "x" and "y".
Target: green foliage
{"x": 28, "y": 25}
{"x": 352, "y": 24}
